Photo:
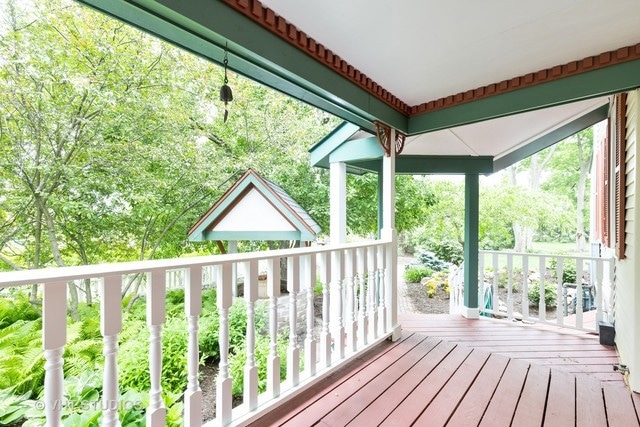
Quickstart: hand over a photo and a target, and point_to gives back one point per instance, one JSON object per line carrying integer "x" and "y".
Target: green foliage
{"x": 13, "y": 407}
{"x": 550, "y": 294}
{"x": 447, "y": 250}
{"x": 16, "y": 307}
{"x": 415, "y": 273}
{"x": 238, "y": 359}
{"x": 568, "y": 270}
{"x": 430, "y": 260}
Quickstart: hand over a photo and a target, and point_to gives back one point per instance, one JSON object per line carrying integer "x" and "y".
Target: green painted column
{"x": 471, "y": 219}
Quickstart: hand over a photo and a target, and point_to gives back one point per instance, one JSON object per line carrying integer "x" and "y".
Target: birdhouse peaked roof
{"x": 254, "y": 208}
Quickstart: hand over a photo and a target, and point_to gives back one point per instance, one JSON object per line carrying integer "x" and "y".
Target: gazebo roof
{"x": 254, "y": 208}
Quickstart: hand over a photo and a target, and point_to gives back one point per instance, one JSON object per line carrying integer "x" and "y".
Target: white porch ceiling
{"x": 422, "y": 50}
{"x": 498, "y": 137}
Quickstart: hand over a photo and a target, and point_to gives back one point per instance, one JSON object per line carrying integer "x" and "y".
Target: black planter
{"x": 607, "y": 333}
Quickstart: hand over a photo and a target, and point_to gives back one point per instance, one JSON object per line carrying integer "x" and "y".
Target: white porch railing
{"x": 535, "y": 288}
{"x": 456, "y": 289}
{"x": 358, "y": 297}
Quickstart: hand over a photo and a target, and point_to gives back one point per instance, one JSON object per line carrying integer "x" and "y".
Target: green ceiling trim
{"x": 426, "y": 165}
{"x": 357, "y": 149}
{"x": 205, "y": 26}
{"x": 614, "y": 79}
{"x": 553, "y": 137}
{"x": 320, "y": 152}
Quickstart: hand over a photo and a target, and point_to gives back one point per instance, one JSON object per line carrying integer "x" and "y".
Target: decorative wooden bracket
{"x": 383, "y": 132}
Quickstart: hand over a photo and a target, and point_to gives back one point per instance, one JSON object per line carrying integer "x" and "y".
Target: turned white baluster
{"x": 525, "y": 287}
{"x": 542, "y": 317}
{"x": 325, "y": 334}
{"x": 494, "y": 293}
{"x": 363, "y": 321}
{"x": 54, "y": 337}
{"x": 349, "y": 274}
{"x": 309, "y": 262}
{"x": 382, "y": 285}
{"x": 293, "y": 351}
{"x": 110, "y": 327}
{"x": 337, "y": 304}
{"x": 560, "y": 292}
{"x": 223, "y": 384}
{"x": 510, "y": 286}
{"x": 579, "y": 299}
{"x": 372, "y": 287}
{"x": 156, "y": 313}
{"x": 250, "y": 368}
{"x": 192, "y": 309}
{"x": 273, "y": 361}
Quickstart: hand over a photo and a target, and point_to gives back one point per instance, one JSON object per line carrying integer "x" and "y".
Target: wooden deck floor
{"x": 458, "y": 372}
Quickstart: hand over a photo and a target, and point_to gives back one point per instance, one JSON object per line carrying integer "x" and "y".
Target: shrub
{"x": 429, "y": 259}
{"x": 550, "y": 294}
{"x": 447, "y": 250}
{"x": 415, "y": 273}
{"x": 569, "y": 270}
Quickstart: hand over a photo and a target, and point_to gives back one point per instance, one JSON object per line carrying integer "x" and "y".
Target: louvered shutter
{"x": 620, "y": 173}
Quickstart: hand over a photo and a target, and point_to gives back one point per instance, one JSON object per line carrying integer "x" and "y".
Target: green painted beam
{"x": 471, "y": 253}
{"x": 357, "y": 150}
{"x": 205, "y": 26}
{"x": 552, "y": 137}
{"x": 417, "y": 165}
{"x": 320, "y": 152}
{"x": 605, "y": 81}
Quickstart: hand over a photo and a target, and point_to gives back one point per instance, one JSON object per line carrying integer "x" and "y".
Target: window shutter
{"x": 620, "y": 173}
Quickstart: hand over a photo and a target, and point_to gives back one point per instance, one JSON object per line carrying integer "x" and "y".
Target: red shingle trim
{"x": 265, "y": 17}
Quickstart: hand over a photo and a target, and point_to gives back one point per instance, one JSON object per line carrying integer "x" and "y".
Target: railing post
{"x": 510, "y": 286}
{"x": 310, "y": 342}
{"x": 156, "y": 316}
{"x": 542, "y": 307}
{"x": 561, "y": 300}
{"x": 363, "y": 296}
{"x": 325, "y": 333}
{"x": 293, "y": 351}
{"x": 599, "y": 289}
{"x": 250, "y": 368}
{"x": 337, "y": 304}
{"x": 372, "y": 294}
{"x": 349, "y": 274}
{"x": 224, "y": 384}
{"x": 110, "y": 327}
{"x": 54, "y": 337}
{"x": 192, "y": 309}
{"x": 579, "y": 294}
{"x": 383, "y": 277}
{"x": 525, "y": 287}
{"x": 273, "y": 361}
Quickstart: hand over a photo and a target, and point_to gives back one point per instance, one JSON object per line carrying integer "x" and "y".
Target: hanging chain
{"x": 225, "y": 62}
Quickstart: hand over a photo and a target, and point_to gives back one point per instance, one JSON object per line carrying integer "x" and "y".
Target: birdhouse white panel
{"x": 253, "y": 212}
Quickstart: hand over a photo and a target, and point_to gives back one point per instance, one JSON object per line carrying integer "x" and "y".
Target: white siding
{"x": 627, "y": 319}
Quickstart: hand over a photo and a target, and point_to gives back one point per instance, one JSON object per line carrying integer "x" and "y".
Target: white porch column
{"x": 338, "y": 202}
{"x": 388, "y": 232}
{"x": 338, "y": 231}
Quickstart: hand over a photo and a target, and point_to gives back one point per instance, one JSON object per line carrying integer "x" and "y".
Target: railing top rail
{"x": 65, "y": 274}
{"x": 564, "y": 256}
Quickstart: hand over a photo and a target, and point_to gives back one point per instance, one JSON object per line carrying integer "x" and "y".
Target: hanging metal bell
{"x": 226, "y": 95}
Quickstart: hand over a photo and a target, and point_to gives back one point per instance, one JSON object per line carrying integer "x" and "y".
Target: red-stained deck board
{"x": 301, "y": 401}
{"x": 336, "y": 396}
{"x": 530, "y": 409}
{"x": 590, "y": 410}
{"x": 619, "y": 405}
{"x": 444, "y": 404}
{"x": 475, "y": 401}
{"x": 391, "y": 398}
{"x": 417, "y": 399}
{"x": 505, "y": 398}
{"x": 561, "y": 400}
{"x": 369, "y": 392}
